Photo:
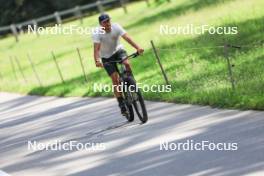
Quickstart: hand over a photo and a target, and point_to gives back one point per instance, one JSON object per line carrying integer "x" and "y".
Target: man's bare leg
{"x": 128, "y": 67}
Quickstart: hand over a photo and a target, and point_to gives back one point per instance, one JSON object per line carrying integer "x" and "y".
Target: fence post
{"x": 35, "y": 25}
{"x": 123, "y": 5}
{"x": 158, "y": 59}
{"x": 80, "y": 57}
{"x": 13, "y": 67}
{"x": 14, "y": 31}
{"x": 229, "y": 67}
{"x": 20, "y": 69}
{"x": 57, "y": 65}
{"x": 34, "y": 70}
{"x": 100, "y": 6}
{"x": 58, "y": 18}
{"x": 78, "y": 14}
{"x": 20, "y": 29}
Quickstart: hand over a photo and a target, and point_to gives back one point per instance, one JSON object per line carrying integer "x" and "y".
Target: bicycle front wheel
{"x": 138, "y": 102}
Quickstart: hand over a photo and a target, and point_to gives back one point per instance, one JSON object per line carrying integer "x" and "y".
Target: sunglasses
{"x": 106, "y": 21}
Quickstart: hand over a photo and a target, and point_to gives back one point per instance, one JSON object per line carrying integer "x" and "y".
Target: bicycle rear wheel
{"x": 140, "y": 107}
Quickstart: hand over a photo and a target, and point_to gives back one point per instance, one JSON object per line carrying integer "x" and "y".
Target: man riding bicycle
{"x": 107, "y": 48}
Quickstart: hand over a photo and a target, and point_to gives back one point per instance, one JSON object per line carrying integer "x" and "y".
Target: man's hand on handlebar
{"x": 98, "y": 64}
{"x": 140, "y": 51}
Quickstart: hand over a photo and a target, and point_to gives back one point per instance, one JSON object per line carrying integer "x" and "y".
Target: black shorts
{"x": 110, "y": 68}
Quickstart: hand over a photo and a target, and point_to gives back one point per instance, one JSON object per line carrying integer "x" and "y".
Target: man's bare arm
{"x": 96, "y": 55}
{"x": 132, "y": 43}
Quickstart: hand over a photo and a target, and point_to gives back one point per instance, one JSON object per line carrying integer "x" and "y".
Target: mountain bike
{"x": 131, "y": 93}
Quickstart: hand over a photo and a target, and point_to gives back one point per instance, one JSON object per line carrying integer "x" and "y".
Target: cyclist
{"x": 108, "y": 48}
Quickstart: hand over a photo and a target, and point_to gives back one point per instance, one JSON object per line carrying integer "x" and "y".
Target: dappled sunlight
{"x": 84, "y": 120}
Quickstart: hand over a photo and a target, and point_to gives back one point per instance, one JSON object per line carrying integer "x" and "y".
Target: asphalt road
{"x": 116, "y": 148}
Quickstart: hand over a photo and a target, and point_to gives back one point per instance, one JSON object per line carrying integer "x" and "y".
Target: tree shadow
{"x": 176, "y": 11}
{"x": 140, "y": 143}
{"x": 152, "y": 161}
{"x": 249, "y": 33}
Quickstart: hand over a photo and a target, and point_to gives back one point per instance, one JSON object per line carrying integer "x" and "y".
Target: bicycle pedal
{"x": 125, "y": 113}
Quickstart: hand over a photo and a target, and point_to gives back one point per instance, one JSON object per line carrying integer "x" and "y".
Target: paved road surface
{"x": 129, "y": 149}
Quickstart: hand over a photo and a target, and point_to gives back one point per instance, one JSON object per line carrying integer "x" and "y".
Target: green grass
{"x": 198, "y": 76}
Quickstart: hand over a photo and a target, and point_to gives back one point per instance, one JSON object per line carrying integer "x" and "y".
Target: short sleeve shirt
{"x": 110, "y": 42}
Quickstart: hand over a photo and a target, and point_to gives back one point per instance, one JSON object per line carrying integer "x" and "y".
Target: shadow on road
{"x": 136, "y": 149}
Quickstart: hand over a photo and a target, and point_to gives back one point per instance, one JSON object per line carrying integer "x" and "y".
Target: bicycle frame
{"x": 122, "y": 71}
{"x": 131, "y": 98}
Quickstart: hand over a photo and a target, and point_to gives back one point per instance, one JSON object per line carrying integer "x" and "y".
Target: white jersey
{"x": 110, "y": 42}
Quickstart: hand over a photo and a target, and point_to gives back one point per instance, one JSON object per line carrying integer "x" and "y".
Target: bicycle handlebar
{"x": 136, "y": 54}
